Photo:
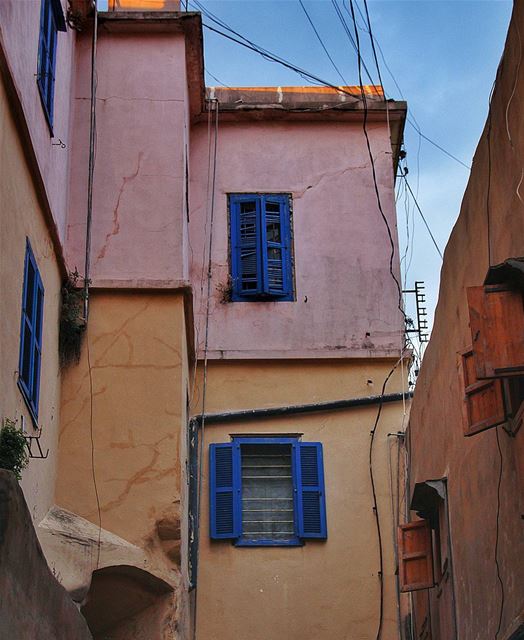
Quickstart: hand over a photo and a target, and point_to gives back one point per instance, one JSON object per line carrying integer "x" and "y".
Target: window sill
{"x": 292, "y": 542}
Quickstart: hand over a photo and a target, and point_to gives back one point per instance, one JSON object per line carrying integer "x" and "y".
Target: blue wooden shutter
{"x": 276, "y": 241}
{"x": 245, "y": 244}
{"x": 311, "y": 502}
{"x": 224, "y": 484}
{"x": 31, "y": 332}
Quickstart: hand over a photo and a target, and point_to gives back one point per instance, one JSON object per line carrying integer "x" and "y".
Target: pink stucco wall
{"x": 19, "y": 31}
{"x": 346, "y": 298}
{"x": 138, "y": 196}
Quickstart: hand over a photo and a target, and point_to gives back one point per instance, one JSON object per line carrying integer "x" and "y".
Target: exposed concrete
{"x": 32, "y": 602}
{"x": 438, "y": 446}
{"x": 74, "y": 547}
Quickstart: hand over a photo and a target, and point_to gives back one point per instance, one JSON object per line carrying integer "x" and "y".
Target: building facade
{"x": 222, "y": 436}
{"x": 466, "y": 454}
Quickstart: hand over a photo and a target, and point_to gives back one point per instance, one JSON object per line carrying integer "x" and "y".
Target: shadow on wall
{"x": 127, "y": 603}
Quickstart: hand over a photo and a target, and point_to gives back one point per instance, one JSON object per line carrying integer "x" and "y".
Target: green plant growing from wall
{"x": 72, "y": 322}
{"x": 13, "y": 450}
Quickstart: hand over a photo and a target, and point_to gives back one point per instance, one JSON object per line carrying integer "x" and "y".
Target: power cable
{"x": 322, "y": 43}
{"x": 351, "y": 39}
{"x": 373, "y": 169}
{"x": 204, "y": 380}
{"x": 422, "y": 216}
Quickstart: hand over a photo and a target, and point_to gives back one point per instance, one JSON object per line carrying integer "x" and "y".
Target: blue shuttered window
{"x": 31, "y": 333}
{"x": 261, "y": 264}
{"x": 267, "y": 491}
{"x": 51, "y": 21}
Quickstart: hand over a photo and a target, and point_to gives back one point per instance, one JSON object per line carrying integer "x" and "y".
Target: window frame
{"x": 294, "y": 541}
{"x": 30, "y": 387}
{"x": 302, "y": 531}
{"x": 51, "y": 22}
{"x": 262, "y": 293}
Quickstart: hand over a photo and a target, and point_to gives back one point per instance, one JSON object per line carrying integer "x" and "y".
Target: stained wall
{"x": 346, "y": 299}
{"x": 139, "y": 178}
{"x": 19, "y": 32}
{"x": 22, "y": 217}
{"x": 486, "y": 524}
{"x": 325, "y": 589}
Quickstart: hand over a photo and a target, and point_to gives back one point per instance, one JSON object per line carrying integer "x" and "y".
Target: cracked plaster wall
{"x": 138, "y": 199}
{"x": 137, "y": 350}
{"x": 343, "y": 286}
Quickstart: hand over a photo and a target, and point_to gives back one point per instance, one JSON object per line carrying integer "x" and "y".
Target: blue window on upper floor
{"x": 51, "y": 21}
{"x": 261, "y": 252}
{"x": 31, "y": 333}
{"x": 267, "y": 491}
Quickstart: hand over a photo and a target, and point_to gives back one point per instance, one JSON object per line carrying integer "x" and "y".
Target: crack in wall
{"x": 325, "y": 176}
{"x": 116, "y": 221}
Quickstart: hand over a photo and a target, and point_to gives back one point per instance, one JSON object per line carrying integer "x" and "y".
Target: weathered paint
{"x": 19, "y": 31}
{"x": 22, "y": 218}
{"x": 346, "y": 299}
{"x": 324, "y": 589}
{"x": 438, "y": 447}
{"x": 131, "y": 443}
{"x": 138, "y": 201}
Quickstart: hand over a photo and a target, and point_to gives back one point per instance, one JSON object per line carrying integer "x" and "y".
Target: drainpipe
{"x": 91, "y": 166}
{"x": 257, "y": 414}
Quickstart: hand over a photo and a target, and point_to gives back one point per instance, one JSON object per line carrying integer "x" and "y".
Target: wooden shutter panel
{"x": 246, "y": 246}
{"x": 496, "y": 318}
{"x": 415, "y": 556}
{"x": 224, "y": 491}
{"x": 311, "y": 501}
{"x": 483, "y": 402}
{"x": 276, "y": 240}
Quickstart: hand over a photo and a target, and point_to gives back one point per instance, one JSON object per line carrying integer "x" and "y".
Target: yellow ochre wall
{"x": 20, "y": 217}
{"x": 139, "y": 375}
{"x": 325, "y": 589}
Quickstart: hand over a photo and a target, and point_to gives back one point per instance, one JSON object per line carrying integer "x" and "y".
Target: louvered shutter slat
{"x": 247, "y": 267}
{"x": 223, "y": 491}
{"x": 277, "y": 241}
{"x": 311, "y": 504}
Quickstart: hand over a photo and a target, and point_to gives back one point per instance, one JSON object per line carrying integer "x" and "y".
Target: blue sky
{"x": 444, "y": 56}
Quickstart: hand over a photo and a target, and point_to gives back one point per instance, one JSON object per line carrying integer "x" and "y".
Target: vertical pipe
{"x": 91, "y": 166}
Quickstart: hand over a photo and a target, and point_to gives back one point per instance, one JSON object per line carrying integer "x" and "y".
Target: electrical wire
{"x": 92, "y": 439}
{"x": 204, "y": 380}
{"x": 499, "y": 578}
{"x": 373, "y": 169}
{"x": 322, "y": 43}
{"x": 375, "y": 502}
{"x": 422, "y": 216}
{"x": 87, "y": 264}
{"x": 351, "y": 39}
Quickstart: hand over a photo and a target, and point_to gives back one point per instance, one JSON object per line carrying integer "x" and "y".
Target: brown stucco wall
{"x": 21, "y": 217}
{"x": 438, "y": 447}
{"x": 325, "y": 589}
{"x": 32, "y": 603}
